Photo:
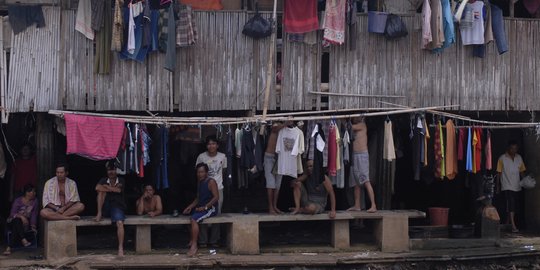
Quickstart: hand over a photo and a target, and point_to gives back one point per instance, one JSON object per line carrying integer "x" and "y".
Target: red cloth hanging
{"x": 300, "y": 16}
{"x": 461, "y": 142}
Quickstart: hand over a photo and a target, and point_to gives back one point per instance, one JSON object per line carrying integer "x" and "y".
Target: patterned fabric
{"x": 118, "y": 27}
{"x": 51, "y": 192}
{"x": 186, "y": 32}
{"x": 334, "y": 21}
{"x": 439, "y": 152}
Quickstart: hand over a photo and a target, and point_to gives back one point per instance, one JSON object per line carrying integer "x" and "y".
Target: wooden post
{"x": 270, "y": 70}
{"x": 512, "y": 3}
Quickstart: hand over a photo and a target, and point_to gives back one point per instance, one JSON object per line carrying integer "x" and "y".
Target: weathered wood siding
{"x": 301, "y": 65}
{"x": 498, "y": 82}
{"x": 52, "y": 68}
{"x": 34, "y": 66}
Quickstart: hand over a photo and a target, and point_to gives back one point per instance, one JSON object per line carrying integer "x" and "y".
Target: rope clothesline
{"x": 303, "y": 116}
{"x": 240, "y": 120}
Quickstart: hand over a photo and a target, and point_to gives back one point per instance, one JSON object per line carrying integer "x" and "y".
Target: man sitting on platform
{"x": 149, "y": 203}
{"x": 310, "y": 195}
{"x": 204, "y": 206}
{"x": 61, "y": 199}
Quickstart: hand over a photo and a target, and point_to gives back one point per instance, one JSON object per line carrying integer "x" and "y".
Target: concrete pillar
{"x": 143, "y": 239}
{"x": 392, "y": 233}
{"x": 60, "y": 239}
{"x": 340, "y": 234}
{"x": 531, "y": 156}
{"x": 243, "y": 236}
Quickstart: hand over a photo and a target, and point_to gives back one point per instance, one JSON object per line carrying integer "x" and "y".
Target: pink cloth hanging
{"x": 96, "y": 138}
{"x": 334, "y": 21}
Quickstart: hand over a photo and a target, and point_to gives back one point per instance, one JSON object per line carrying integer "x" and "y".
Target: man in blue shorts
{"x": 204, "y": 206}
{"x": 111, "y": 203}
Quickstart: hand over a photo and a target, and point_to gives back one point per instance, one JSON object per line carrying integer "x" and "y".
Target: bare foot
{"x": 97, "y": 218}
{"x": 354, "y": 209}
{"x": 294, "y": 211}
{"x": 192, "y": 251}
{"x": 272, "y": 211}
{"x": 120, "y": 252}
{"x": 75, "y": 217}
{"x": 278, "y": 211}
{"x": 373, "y": 209}
{"x": 7, "y": 252}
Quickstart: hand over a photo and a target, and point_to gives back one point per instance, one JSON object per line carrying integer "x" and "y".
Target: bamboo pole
{"x": 353, "y": 95}
{"x": 270, "y": 70}
{"x": 330, "y": 111}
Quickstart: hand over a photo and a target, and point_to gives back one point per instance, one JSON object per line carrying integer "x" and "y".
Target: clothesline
{"x": 219, "y": 121}
{"x": 485, "y": 123}
{"x": 530, "y": 125}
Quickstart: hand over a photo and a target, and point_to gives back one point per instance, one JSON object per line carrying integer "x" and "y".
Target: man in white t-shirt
{"x": 216, "y": 162}
{"x": 510, "y": 168}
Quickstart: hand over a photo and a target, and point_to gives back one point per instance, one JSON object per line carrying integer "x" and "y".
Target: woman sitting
{"x": 23, "y": 217}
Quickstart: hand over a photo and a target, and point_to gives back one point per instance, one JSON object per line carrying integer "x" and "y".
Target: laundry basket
{"x": 438, "y": 216}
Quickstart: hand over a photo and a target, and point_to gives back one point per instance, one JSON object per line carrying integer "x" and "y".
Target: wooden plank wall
{"x": 34, "y": 67}
{"x": 497, "y": 82}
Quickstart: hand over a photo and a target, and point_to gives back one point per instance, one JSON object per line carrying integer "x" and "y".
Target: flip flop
{"x": 6, "y": 253}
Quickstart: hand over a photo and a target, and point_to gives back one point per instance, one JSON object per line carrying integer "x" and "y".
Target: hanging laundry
{"x": 339, "y": 179}
{"x": 448, "y": 26}
{"x": 117, "y": 27}
{"x": 238, "y": 142}
{"x": 170, "y": 55}
{"x": 475, "y": 33}
{"x": 186, "y": 31}
{"x": 478, "y": 150}
{"x": 98, "y": 9}
{"x": 287, "y": 148}
{"x": 332, "y": 151}
{"x": 320, "y": 142}
{"x": 301, "y": 150}
{"x": 417, "y": 137}
{"x": 334, "y": 21}
{"x": 451, "y": 157}
{"x": 351, "y": 22}
{"x": 252, "y": 151}
{"x": 427, "y": 36}
{"x": 300, "y": 16}
{"x": 469, "y": 162}
{"x": 102, "y": 60}
{"x": 427, "y": 136}
{"x": 439, "y": 152}
{"x": 83, "y": 19}
{"x": 311, "y": 142}
{"x": 437, "y": 28}
{"x": 532, "y": 6}
{"x": 461, "y": 141}
{"x": 499, "y": 33}
{"x": 22, "y": 17}
{"x": 389, "y": 151}
{"x": 346, "y": 147}
{"x": 474, "y": 142}
{"x": 147, "y": 141}
{"x": 229, "y": 152}
{"x": 488, "y": 27}
{"x": 96, "y": 138}
{"x": 131, "y": 33}
{"x": 489, "y": 159}
{"x": 204, "y": 4}
{"x": 159, "y": 151}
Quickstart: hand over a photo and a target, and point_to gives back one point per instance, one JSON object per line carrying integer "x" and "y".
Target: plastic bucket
{"x": 377, "y": 22}
{"x": 438, "y": 216}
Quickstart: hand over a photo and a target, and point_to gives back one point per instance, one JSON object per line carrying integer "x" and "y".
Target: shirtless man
{"x": 360, "y": 170}
{"x": 61, "y": 199}
{"x": 149, "y": 203}
{"x": 273, "y": 181}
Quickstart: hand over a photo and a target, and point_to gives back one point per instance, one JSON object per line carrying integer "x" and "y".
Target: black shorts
{"x": 511, "y": 199}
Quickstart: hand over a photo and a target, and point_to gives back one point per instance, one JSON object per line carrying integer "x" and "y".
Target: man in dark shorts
{"x": 310, "y": 197}
{"x": 510, "y": 168}
{"x": 111, "y": 203}
{"x": 204, "y": 206}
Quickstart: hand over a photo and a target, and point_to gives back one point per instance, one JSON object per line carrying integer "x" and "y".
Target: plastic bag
{"x": 527, "y": 182}
{"x": 257, "y": 27}
{"x": 395, "y": 27}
